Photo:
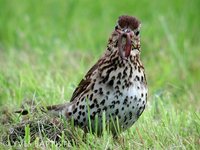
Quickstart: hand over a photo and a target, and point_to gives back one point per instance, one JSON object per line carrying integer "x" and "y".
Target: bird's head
{"x": 126, "y": 36}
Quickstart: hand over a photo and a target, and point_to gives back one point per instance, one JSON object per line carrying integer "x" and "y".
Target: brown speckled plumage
{"x": 116, "y": 84}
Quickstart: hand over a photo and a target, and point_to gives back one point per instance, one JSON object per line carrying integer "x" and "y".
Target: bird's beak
{"x": 124, "y": 48}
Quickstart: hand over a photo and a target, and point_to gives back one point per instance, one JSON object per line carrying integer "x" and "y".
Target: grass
{"x": 47, "y": 46}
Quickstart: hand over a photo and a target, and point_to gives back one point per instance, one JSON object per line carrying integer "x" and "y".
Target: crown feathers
{"x": 128, "y": 21}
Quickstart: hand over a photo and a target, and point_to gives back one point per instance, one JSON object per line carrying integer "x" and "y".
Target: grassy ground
{"x": 47, "y": 46}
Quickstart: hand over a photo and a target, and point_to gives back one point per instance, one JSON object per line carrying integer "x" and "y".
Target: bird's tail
{"x": 53, "y": 109}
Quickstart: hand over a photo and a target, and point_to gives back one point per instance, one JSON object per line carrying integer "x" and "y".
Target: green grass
{"x": 47, "y": 46}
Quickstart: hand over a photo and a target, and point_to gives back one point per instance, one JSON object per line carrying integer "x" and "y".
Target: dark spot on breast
{"x": 119, "y": 75}
{"x": 112, "y": 106}
{"x": 81, "y": 106}
{"x": 117, "y": 92}
{"x": 113, "y": 102}
{"x": 116, "y": 112}
{"x": 118, "y": 82}
{"x": 105, "y": 108}
{"x": 92, "y": 106}
{"x": 137, "y": 78}
{"x": 117, "y": 102}
{"x": 77, "y": 103}
{"x": 84, "y": 119}
{"x": 91, "y": 96}
{"x": 116, "y": 87}
{"x": 135, "y": 67}
{"x": 75, "y": 110}
{"x": 125, "y": 100}
{"x": 97, "y": 105}
{"x": 103, "y": 102}
{"x": 98, "y": 110}
{"x": 135, "y": 98}
{"x": 95, "y": 101}
{"x": 79, "y": 112}
{"x": 131, "y": 72}
{"x": 100, "y": 91}
{"x": 124, "y": 72}
{"x": 142, "y": 78}
{"x": 92, "y": 86}
{"x": 139, "y": 69}
{"x": 111, "y": 82}
{"x": 92, "y": 117}
{"x": 83, "y": 113}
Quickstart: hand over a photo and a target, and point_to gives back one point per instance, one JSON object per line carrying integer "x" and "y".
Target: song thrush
{"x": 116, "y": 84}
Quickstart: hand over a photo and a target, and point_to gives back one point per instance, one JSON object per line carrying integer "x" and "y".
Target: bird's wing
{"x": 84, "y": 84}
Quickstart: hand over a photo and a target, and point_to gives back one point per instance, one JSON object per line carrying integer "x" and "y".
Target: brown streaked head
{"x": 128, "y": 21}
{"x": 127, "y": 32}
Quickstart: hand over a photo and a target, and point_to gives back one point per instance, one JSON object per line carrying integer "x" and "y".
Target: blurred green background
{"x": 46, "y": 47}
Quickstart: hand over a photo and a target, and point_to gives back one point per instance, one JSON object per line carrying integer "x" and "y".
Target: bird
{"x": 115, "y": 88}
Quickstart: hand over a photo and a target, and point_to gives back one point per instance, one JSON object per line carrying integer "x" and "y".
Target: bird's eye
{"x": 137, "y": 33}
